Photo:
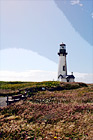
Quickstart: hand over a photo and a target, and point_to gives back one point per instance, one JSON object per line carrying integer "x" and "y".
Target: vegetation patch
{"x": 50, "y": 114}
{"x": 12, "y": 88}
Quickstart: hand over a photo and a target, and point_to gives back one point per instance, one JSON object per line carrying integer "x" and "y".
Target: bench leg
{"x": 7, "y": 99}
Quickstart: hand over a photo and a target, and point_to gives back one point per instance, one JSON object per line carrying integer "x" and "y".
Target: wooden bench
{"x": 15, "y": 98}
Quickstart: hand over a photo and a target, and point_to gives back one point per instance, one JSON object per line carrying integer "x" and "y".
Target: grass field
{"x": 16, "y": 87}
{"x": 64, "y": 111}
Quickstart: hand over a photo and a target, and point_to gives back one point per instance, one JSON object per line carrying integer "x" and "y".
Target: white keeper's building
{"x": 62, "y": 68}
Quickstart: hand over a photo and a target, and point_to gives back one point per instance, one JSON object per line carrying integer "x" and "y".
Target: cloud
{"x": 41, "y": 75}
{"x": 92, "y": 14}
{"x": 83, "y": 77}
{"x": 30, "y": 75}
{"x": 76, "y": 2}
{"x": 14, "y": 59}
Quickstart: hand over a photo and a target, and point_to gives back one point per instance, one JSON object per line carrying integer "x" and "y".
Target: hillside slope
{"x": 49, "y": 115}
{"x": 11, "y": 88}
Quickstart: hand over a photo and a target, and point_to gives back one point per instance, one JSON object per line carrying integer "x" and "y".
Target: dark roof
{"x": 67, "y": 76}
{"x": 70, "y": 76}
{"x": 60, "y": 76}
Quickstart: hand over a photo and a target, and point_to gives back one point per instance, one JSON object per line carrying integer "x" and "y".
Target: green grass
{"x": 15, "y": 87}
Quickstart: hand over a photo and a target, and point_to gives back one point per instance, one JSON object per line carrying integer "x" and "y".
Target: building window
{"x": 64, "y": 68}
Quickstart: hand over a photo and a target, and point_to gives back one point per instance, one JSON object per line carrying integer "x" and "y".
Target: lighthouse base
{"x": 62, "y": 79}
{"x": 67, "y": 78}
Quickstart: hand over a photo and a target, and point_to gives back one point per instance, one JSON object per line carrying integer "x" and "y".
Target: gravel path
{"x": 3, "y": 101}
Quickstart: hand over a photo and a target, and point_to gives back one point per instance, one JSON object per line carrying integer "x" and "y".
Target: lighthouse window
{"x": 63, "y": 68}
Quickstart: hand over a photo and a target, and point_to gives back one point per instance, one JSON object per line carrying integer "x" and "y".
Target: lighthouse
{"x": 62, "y": 67}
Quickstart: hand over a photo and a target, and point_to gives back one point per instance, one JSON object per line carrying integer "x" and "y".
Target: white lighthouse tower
{"x": 62, "y": 68}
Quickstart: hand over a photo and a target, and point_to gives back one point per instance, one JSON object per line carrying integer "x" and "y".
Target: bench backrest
{"x": 17, "y": 96}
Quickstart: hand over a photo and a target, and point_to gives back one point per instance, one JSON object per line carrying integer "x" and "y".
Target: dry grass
{"x": 50, "y": 115}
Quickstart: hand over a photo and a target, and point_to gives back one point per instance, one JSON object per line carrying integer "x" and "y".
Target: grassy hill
{"x": 16, "y": 87}
{"x": 64, "y": 111}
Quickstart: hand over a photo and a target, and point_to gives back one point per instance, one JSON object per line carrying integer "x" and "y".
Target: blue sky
{"x": 80, "y": 15}
{"x": 31, "y": 32}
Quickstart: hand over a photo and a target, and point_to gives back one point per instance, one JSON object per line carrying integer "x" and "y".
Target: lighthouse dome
{"x": 62, "y": 49}
{"x": 62, "y": 46}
